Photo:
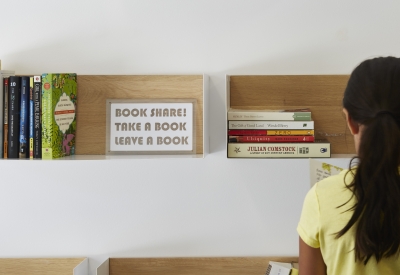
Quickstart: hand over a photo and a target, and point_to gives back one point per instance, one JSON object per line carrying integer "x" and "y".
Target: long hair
{"x": 372, "y": 99}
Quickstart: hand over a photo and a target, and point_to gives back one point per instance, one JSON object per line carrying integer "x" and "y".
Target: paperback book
{"x": 13, "y": 116}
{"x": 58, "y": 115}
{"x": 317, "y": 149}
{"x": 278, "y": 268}
{"x": 290, "y": 114}
{"x": 37, "y": 117}
{"x": 24, "y": 118}
{"x": 271, "y": 125}
{"x": 270, "y": 132}
{"x": 31, "y": 117}
{"x": 271, "y": 139}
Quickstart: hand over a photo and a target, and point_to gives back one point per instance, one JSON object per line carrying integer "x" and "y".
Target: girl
{"x": 350, "y": 223}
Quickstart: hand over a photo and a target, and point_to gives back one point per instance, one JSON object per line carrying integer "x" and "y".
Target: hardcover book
{"x": 271, "y": 125}
{"x": 24, "y": 118}
{"x": 271, "y": 139}
{"x": 317, "y": 149}
{"x": 292, "y": 114}
{"x": 13, "y": 116}
{"x": 58, "y": 115}
{"x": 4, "y": 75}
{"x": 270, "y": 132}
{"x": 37, "y": 117}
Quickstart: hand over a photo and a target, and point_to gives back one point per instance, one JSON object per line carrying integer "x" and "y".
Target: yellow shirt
{"x": 320, "y": 221}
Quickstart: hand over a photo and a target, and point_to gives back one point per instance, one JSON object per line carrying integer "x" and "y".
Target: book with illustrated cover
{"x": 58, "y": 115}
{"x": 24, "y": 118}
{"x": 290, "y": 114}
{"x": 271, "y": 139}
{"x": 270, "y": 132}
{"x": 13, "y": 116}
{"x": 271, "y": 125}
{"x": 37, "y": 117}
{"x": 317, "y": 149}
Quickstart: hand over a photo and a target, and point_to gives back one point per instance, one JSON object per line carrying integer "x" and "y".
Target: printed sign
{"x": 162, "y": 126}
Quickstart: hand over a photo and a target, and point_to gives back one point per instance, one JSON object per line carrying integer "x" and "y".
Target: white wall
{"x": 173, "y": 207}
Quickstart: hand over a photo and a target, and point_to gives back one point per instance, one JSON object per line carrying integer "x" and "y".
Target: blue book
{"x": 24, "y": 126}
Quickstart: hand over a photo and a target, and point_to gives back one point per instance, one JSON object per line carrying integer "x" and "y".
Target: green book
{"x": 58, "y": 115}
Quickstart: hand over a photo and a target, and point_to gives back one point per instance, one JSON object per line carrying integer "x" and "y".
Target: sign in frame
{"x": 151, "y": 127}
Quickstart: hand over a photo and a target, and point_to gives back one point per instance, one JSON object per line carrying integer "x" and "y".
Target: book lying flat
{"x": 270, "y": 132}
{"x": 292, "y": 114}
{"x": 317, "y": 149}
{"x": 271, "y": 125}
{"x": 271, "y": 139}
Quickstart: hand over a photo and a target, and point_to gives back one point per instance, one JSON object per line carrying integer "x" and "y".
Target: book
{"x": 58, "y": 115}
{"x": 278, "y": 268}
{"x": 290, "y": 114}
{"x": 4, "y": 74}
{"x": 271, "y": 139}
{"x": 14, "y": 85}
{"x": 31, "y": 117}
{"x": 24, "y": 119}
{"x": 37, "y": 117}
{"x": 270, "y": 132}
{"x": 317, "y": 149}
{"x": 320, "y": 170}
{"x": 271, "y": 125}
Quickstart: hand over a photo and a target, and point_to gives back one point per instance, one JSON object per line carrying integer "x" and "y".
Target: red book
{"x": 270, "y": 132}
{"x": 271, "y": 139}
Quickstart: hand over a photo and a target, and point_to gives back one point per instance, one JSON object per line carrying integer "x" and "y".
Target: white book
{"x": 289, "y": 114}
{"x": 271, "y": 125}
{"x": 3, "y": 73}
{"x": 277, "y": 268}
{"x": 318, "y": 149}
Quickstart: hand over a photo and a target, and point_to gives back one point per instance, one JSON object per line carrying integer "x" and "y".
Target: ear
{"x": 353, "y": 126}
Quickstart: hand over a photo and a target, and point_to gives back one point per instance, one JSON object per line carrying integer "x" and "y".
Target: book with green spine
{"x": 59, "y": 94}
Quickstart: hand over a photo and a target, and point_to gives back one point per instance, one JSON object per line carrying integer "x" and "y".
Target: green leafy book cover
{"x": 58, "y": 115}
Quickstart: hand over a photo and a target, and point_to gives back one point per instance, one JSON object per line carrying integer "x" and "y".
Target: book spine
{"x": 1, "y": 115}
{"x": 47, "y": 120}
{"x": 13, "y": 116}
{"x": 23, "y": 122}
{"x": 271, "y": 125}
{"x": 5, "y": 118}
{"x": 279, "y": 115}
{"x": 270, "y": 132}
{"x": 279, "y": 150}
{"x": 271, "y": 138}
{"x": 37, "y": 119}
{"x": 31, "y": 117}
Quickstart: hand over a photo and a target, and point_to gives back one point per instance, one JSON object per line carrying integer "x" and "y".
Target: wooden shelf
{"x": 192, "y": 266}
{"x": 94, "y": 90}
{"x": 321, "y": 93}
{"x": 43, "y": 266}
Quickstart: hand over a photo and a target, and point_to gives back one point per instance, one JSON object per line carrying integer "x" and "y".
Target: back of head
{"x": 372, "y": 99}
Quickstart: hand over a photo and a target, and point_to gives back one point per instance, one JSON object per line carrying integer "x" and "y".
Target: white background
{"x": 174, "y": 207}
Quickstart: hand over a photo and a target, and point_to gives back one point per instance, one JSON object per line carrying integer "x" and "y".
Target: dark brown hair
{"x": 372, "y": 99}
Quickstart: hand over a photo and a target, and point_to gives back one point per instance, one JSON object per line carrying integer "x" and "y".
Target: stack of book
{"x": 273, "y": 134}
{"x": 38, "y": 118}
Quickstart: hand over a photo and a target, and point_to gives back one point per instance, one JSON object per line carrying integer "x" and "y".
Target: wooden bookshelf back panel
{"x": 94, "y": 90}
{"x": 40, "y": 266}
{"x": 194, "y": 266}
{"x": 321, "y": 93}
